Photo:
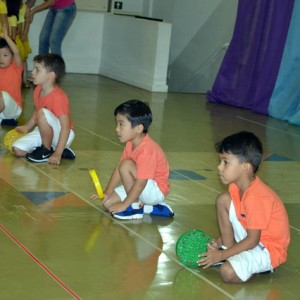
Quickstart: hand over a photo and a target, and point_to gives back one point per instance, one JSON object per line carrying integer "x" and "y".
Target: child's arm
{"x": 132, "y": 196}
{"x": 62, "y": 141}
{"x": 114, "y": 181}
{"x": 4, "y": 21}
{"x": 28, "y": 126}
{"x": 30, "y": 3}
{"x": 46, "y": 4}
{"x": 135, "y": 191}
{"x": 13, "y": 32}
{"x": 25, "y": 29}
{"x": 13, "y": 47}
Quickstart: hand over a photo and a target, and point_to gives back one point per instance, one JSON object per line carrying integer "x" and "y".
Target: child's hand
{"x": 54, "y": 159}
{"x": 212, "y": 256}
{"x": 94, "y": 197}
{"x": 214, "y": 243}
{"x": 22, "y": 129}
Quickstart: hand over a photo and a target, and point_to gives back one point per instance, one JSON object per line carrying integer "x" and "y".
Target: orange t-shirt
{"x": 151, "y": 162}
{"x": 261, "y": 208}
{"x": 56, "y": 101}
{"x": 11, "y": 80}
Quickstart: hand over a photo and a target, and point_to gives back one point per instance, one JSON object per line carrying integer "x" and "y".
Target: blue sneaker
{"x": 130, "y": 213}
{"x": 161, "y": 209}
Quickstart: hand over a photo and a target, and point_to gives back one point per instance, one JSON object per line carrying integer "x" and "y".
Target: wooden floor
{"x": 55, "y": 243}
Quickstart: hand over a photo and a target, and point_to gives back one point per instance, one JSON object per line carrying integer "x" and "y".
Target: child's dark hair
{"x": 245, "y": 145}
{"x": 137, "y": 112}
{"x": 3, "y": 44}
{"x": 52, "y": 63}
{"x": 13, "y": 8}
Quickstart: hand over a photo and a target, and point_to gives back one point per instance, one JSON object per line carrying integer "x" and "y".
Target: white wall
{"x": 82, "y": 45}
{"x": 131, "y": 6}
{"x": 187, "y": 18}
{"x": 201, "y": 31}
{"x": 131, "y": 50}
{"x": 136, "y": 51}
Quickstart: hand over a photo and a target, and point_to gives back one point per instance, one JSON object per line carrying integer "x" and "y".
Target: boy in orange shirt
{"x": 140, "y": 181}
{"x": 51, "y": 121}
{"x": 11, "y": 68}
{"x": 253, "y": 222}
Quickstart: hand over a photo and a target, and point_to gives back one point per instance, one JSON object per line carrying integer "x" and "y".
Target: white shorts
{"x": 33, "y": 139}
{"x": 250, "y": 262}
{"x": 12, "y": 110}
{"x": 151, "y": 194}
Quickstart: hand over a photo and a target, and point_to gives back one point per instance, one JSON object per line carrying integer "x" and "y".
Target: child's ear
{"x": 248, "y": 168}
{"x": 53, "y": 76}
{"x": 140, "y": 128}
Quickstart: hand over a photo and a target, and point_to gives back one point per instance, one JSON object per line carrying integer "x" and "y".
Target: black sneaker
{"x": 39, "y": 154}
{"x": 68, "y": 153}
{"x": 267, "y": 272}
{"x": 9, "y": 122}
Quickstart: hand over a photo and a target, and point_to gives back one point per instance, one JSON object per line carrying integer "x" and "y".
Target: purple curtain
{"x": 249, "y": 69}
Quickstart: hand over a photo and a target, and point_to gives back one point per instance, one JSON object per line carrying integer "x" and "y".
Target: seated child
{"x": 140, "y": 181}
{"x": 253, "y": 222}
{"x": 51, "y": 121}
{"x": 11, "y": 68}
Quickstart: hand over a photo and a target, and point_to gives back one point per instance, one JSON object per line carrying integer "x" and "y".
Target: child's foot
{"x": 132, "y": 212}
{"x": 161, "y": 209}
{"x": 39, "y": 154}
{"x": 68, "y": 153}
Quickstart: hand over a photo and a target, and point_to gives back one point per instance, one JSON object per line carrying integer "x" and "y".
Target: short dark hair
{"x": 245, "y": 145}
{"x": 3, "y": 44}
{"x": 52, "y": 63}
{"x": 137, "y": 112}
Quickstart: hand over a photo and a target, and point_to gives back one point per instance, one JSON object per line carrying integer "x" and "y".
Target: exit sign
{"x": 118, "y": 5}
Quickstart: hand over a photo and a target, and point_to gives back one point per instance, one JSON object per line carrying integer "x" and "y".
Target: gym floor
{"x": 56, "y": 243}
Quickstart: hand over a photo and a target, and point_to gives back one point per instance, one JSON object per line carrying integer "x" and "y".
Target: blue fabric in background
{"x": 261, "y": 68}
{"x": 285, "y": 100}
{"x": 249, "y": 70}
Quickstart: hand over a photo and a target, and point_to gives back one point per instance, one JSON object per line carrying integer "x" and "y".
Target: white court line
{"x": 98, "y": 135}
{"x": 138, "y": 235}
{"x": 271, "y": 127}
{"x": 198, "y": 182}
{"x": 295, "y": 228}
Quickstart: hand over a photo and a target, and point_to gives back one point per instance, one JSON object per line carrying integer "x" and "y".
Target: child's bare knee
{"x": 227, "y": 273}
{"x": 127, "y": 165}
{"x": 18, "y": 152}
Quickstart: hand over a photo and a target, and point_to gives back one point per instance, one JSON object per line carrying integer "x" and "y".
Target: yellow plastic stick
{"x": 92, "y": 240}
{"x": 97, "y": 184}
